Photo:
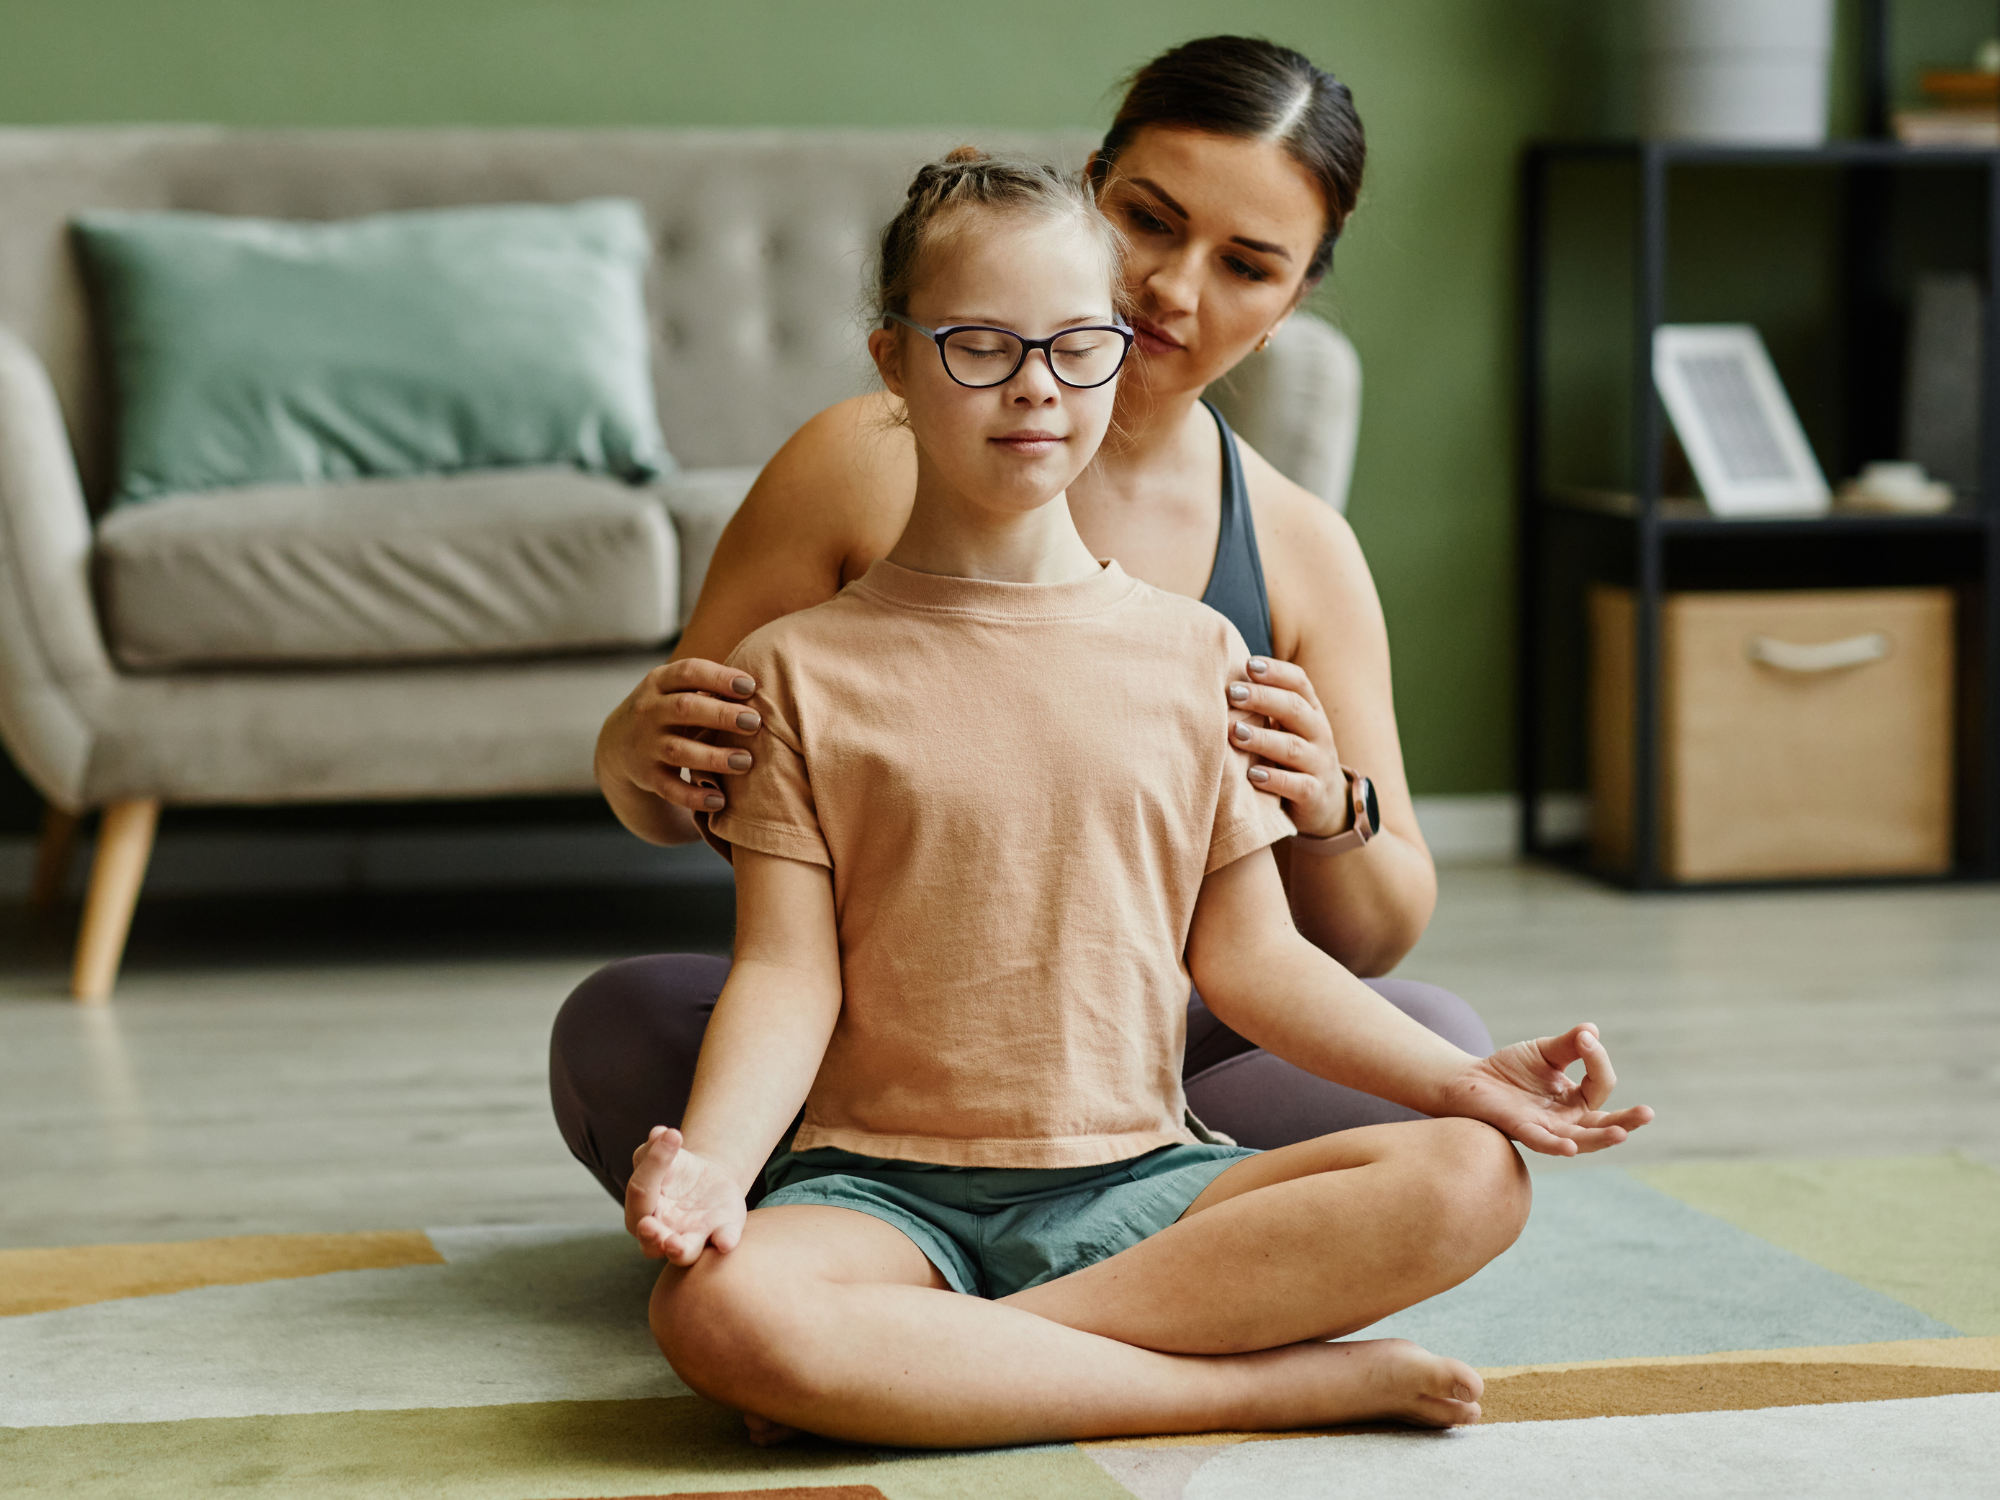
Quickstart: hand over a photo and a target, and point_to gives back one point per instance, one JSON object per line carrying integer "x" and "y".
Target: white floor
{"x": 279, "y": 1068}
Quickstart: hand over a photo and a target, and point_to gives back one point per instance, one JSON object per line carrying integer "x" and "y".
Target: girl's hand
{"x": 1289, "y": 733}
{"x": 655, "y": 732}
{"x": 1523, "y": 1092}
{"x": 677, "y": 1204}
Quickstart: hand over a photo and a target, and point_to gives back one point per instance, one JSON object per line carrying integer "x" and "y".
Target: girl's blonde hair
{"x": 969, "y": 178}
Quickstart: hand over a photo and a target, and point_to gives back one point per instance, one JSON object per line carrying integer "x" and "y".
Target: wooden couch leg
{"x": 52, "y": 858}
{"x": 124, "y": 844}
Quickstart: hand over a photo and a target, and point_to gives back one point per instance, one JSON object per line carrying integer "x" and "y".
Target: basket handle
{"x": 1788, "y": 656}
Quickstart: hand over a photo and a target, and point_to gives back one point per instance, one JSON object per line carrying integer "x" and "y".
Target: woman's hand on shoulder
{"x": 1276, "y": 716}
{"x": 654, "y": 734}
{"x": 678, "y": 1204}
{"x": 1524, "y": 1092}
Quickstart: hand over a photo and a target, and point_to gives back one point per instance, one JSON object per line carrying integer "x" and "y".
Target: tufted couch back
{"x": 762, "y": 241}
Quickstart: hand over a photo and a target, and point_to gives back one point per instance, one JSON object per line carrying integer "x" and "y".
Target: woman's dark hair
{"x": 1252, "y": 89}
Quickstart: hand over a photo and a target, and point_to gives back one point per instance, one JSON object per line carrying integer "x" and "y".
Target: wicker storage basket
{"x": 1804, "y": 733}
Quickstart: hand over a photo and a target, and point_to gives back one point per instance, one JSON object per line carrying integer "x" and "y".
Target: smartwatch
{"x": 1367, "y": 820}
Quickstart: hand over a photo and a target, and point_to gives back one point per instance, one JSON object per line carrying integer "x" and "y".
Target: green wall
{"x": 1449, "y": 89}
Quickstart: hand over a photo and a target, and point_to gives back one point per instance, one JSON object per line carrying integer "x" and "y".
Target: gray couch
{"x": 459, "y": 637}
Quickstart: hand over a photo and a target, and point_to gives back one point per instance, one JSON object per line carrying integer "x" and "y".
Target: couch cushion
{"x": 502, "y": 563}
{"x": 263, "y": 351}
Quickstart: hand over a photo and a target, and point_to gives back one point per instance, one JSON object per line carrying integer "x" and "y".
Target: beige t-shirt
{"x": 1018, "y": 788}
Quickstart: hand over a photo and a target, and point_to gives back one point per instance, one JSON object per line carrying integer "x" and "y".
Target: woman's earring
{"x": 1263, "y": 343}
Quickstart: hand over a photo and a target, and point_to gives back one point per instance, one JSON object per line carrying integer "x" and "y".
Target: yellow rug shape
{"x": 1742, "y": 1380}
{"x": 33, "y": 1281}
{"x": 1656, "y": 1390}
{"x": 1948, "y": 1354}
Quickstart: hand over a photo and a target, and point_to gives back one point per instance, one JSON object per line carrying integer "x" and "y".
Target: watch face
{"x": 1368, "y": 801}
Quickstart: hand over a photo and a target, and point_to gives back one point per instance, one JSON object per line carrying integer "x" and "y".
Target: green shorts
{"x": 992, "y": 1231}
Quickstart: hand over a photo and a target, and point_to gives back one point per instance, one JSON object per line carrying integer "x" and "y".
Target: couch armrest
{"x": 1299, "y": 404}
{"x": 51, "y": 652}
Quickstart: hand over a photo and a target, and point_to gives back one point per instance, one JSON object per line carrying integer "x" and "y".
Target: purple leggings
{"x": 622, "y": 1061}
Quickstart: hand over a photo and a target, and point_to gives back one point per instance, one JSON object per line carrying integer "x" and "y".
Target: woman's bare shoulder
{"x": 833, "y": 499}
{"x": 848, "y": 455}
{"x": 843, "y": 484}
{"x": 1313, "y": 565}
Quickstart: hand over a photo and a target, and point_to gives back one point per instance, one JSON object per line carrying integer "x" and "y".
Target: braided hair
{"x": 942, "y": 193}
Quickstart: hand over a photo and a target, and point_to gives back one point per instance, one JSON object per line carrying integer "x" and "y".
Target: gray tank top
{"x": 1236, "y": 582}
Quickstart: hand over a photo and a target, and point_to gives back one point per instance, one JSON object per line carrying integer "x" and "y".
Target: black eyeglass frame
{"x": 1028, "y": 346}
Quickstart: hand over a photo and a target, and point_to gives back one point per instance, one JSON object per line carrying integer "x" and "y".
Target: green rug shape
{"x": 519, "y": 1452}
{"x": 1922, "y": 1229}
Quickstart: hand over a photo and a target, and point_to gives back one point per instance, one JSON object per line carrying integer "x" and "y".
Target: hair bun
{"x": 946, "y": 169}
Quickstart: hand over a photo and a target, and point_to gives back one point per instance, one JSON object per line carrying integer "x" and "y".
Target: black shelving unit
{"x": 1889, "y": 206}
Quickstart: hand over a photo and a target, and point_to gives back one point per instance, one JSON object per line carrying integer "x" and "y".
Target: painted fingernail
{"x": 712, "y": 802}
{"x": 743, "y": 685}
{"x": 1238, "y": 693}
{"x": 1258, "y": 664}
{"x": 740, "y": 761}
{"x": 1242, "y": 731}
{"x": 748, "y": 721}
{"x": 1259, "y": 774}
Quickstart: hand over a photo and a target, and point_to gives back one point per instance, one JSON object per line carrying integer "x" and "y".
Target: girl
{"x": 965, "y": 948}
{"x": 1232, "y": 168}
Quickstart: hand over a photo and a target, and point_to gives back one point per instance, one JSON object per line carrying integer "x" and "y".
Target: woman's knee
{"x": 656, "y": 1003}
{"x": 622, "y": 1054}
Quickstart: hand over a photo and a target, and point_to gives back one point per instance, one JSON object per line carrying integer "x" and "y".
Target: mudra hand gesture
{"x": 1523, "y": 1092}
{"x": 677, "y": 1203}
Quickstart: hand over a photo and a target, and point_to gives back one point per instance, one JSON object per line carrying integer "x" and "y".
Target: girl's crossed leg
{"x": 832, "y": 1321}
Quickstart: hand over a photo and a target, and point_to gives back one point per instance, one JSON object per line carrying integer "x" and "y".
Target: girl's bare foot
{"x": 765, "y": 1433}
{"x": 1373, "y": 1380}
{"x": 1433, "y": 1391}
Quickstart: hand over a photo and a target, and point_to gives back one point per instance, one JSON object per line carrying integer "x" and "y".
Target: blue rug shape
{"x": 1609, "y": 1268}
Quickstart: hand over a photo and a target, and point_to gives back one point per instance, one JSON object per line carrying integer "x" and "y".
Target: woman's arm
{"x": 1262, "y": 979}
{"x": 1330, "y": 701}
{"x": 758, "y": 1059}
{"x": 830, "y": 502}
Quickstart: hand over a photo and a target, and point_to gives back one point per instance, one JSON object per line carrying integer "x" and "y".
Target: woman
{"x": 1231, "y": 168}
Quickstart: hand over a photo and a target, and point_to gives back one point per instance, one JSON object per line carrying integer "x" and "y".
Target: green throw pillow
{"x": 258, "y": 351}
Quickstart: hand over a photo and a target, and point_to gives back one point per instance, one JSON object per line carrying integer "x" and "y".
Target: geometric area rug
{"x": 1827, "y": 1328}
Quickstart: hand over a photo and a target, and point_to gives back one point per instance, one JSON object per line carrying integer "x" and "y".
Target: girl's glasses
{"x": 981, "y": 357}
